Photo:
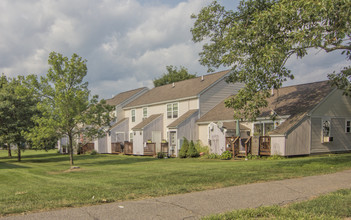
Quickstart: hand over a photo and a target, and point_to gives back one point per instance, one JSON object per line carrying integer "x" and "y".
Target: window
{"x": 348, "y": 126}
{"x": 131, "y": 137}
{"x": 172, "y": 110}
{"x": 258, "y": 129}
{"x": 133, "y": 115}
{"x": 326, "y": 130}
{"x": 144, "y": 113}
{"x": 268, "y": 127}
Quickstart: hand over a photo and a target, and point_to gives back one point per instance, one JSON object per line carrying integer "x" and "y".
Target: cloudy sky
{"x": 127, "y": 43}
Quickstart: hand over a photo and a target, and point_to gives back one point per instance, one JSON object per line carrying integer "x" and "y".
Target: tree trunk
{"x": 19, "y": 152}
{"x": 9, "y": 150}
{"x": 71, "y": 149}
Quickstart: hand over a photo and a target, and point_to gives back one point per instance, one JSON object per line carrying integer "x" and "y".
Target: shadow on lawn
{"x": 118, "y": 160}
{"x": 5, "y": 166}
{"x": 337, "y": 161}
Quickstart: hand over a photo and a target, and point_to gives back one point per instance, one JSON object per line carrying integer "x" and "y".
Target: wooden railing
{"x": 128, "y": 147}
{"x": 116, "y": 147}
{"x": 150, "y": 149}
{"x": 265, "y": 145}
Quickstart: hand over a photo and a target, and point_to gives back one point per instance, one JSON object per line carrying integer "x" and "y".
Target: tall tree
{"x": 65, "y": 103}
{"x": 173, "y": 75}
{"x": 258, "y": 39}
{"x": 17, "y": 108}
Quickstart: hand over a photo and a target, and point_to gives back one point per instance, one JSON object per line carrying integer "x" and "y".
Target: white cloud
{"x": 127, "y": 43}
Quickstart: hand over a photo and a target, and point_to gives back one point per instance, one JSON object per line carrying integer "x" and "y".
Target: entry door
{"x": 156, "y": 138}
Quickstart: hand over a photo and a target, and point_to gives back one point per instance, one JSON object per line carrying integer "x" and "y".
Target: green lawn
{"x": 335, "y": 205}
{"x": 43, "y": 181}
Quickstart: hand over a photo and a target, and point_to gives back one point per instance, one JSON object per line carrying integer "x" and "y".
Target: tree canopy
{"x": 17, "y": 109}
{"x": 259, "y": 37}
{"x": 66, "y": 106}
{"x": 173, "y": 75}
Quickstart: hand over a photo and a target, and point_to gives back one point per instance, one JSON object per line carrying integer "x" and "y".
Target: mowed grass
{"x": 335, "y": 205}
{"x": 43, "y": 180}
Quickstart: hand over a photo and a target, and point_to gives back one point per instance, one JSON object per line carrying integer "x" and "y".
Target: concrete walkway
{"x": 198, "y": 204}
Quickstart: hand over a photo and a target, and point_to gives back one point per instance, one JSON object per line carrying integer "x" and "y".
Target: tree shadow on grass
{"x": 119, "y": 160}
{"x": 5, "y": 166}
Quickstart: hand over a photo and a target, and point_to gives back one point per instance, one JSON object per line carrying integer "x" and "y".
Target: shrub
{"x": 253, "y": 157}
{"x": 161, "y": 155}
{"x": 226, "y": 155}
{"x": 201, "y": 148}
{"x": 93, "y": 152}
{"x": 213, "y": 156}
{"x": 275, "y": 157}
{"x": 184, "y": 149}
{"x": 192, "y": 152}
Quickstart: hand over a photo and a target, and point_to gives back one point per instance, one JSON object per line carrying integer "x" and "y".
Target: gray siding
{"x": 102, "y": 145}
{"x": 336, "y": 105}
{"x": 215, "y": 94}
{"x": 298, "y": 140}
{"x": 188, "y": 128}
{"x": 155, "y": 125}
{"x": 341, "y": 140}
{"x": 122, "y": 127}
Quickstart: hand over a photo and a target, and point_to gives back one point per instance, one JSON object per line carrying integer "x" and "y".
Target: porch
{"x": 241, "y": 147}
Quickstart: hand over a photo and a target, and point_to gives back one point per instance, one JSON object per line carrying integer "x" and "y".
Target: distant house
{"x": 168, "y": 113}
{"x": 299, "y": 120}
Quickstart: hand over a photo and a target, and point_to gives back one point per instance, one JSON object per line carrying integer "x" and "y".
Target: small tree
{"x": 17, "y": 108}
{"x": 192, "y": 152}
{"x": 173, "y": 75}
{"x": 184, "y": 149}
{"x": 66, "y": 104}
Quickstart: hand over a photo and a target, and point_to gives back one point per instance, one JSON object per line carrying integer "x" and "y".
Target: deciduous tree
{"x": 173, "y": 75}
{"x": 66, "y": 106}
{"x": 259, "y": 37}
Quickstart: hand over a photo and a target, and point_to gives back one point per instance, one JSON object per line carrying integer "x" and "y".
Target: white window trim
{"x": 172, "y": 111}
{"x": 330, "y": 127}
{"x": 131, "y": 115}
{"x": 147, "y": 113}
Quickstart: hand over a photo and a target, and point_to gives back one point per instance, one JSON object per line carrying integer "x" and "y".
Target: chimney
{"x": 202, "y": 78}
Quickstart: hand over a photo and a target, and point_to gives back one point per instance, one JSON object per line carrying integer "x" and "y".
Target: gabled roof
{"x": 182, "y": 118}
{"x": 180, "y": 90}
{"x": 123, "y": 96}
{"x": 293, "y": 101}
{"x": 145, "y": 122}
{"x": 118, "y": 123}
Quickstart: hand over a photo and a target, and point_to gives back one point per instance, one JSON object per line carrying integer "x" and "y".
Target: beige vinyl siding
{"x": 203, "y": 133}
{"x": 341, "y": 140}
{"x": 316, "y": 139}
{"x": 215, "y": 94}
{"x": 298, "y": 140}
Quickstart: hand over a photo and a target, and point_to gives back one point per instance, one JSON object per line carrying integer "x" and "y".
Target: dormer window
{"x": 172, "y": 110}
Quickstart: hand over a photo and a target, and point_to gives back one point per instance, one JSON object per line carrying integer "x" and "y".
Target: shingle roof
{"x": 118, "y": 123}
{"x": 182, "y": 118}
{"x": 146, "y": 121}
{"x": 182, "y": 89}
{"x": 294, "y": 101}
{"x": 121, "y": 97}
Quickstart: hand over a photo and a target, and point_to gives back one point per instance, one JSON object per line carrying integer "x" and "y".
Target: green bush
{"x": 192, "y": 152}
{"x": 253, "y": 157}
{"x": 213, "y": 156}
{"x": 201, "y": 148}
{"x": 226, "y": 155}
{"x": 184, "y": 149}
{"x": 93, "y": 152}
{"x": 275, "y": 157}
{"x": 161, "y": 155}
